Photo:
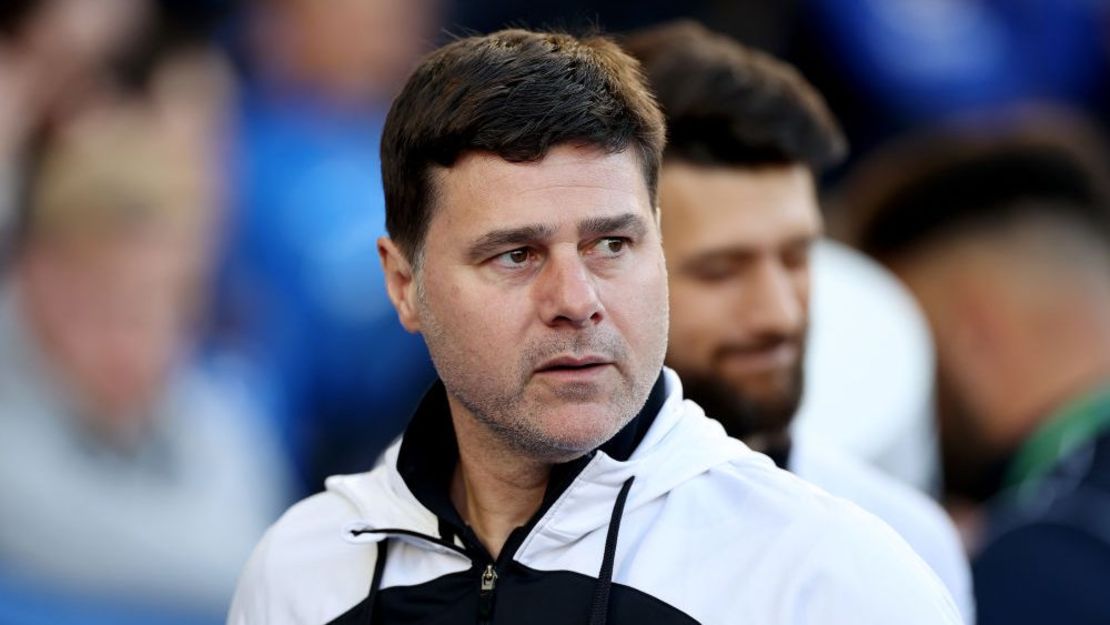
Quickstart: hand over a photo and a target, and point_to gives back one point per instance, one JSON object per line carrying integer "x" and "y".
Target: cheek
{"x": 698, "y": 314}
{"x": 480, "y": 322}
{"x": 642, "y": 309}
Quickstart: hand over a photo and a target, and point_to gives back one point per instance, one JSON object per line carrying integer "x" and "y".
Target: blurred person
{"x": 555, "y": 474}
{"x": 737, "y": 191}
{"x": 301, "y": 290}
{"x": 1003, "y": 235}
{"x": 134, "y": 474}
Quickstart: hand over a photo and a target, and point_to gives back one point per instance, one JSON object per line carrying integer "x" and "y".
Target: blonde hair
{"x": 112, "y": 171}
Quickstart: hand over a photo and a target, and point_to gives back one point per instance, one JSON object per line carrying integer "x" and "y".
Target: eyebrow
{"x": 630, "y": 223}
{"x": 741, "y": 253}
{"x": 497, "y": 240}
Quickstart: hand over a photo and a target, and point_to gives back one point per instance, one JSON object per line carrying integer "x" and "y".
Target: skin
{"x": 737, "y": 243}
{"x": 134, "y": 297}
{"x": 524, "y": 264}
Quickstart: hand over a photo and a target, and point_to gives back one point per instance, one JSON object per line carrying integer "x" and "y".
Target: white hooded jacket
{"x": 682, "y": 525}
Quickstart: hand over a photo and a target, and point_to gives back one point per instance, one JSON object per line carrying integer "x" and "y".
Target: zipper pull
{"x": 485, "y": 594}
{"x": 489, "y": 579}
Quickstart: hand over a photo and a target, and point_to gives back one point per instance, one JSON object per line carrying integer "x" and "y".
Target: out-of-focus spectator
{"x": 738, "y": 204}
{"x": 53, "y": 58}
{"x": 1004, "y": 237}
{"x": 302, "y": 290}
{"x": 134, "y": 475}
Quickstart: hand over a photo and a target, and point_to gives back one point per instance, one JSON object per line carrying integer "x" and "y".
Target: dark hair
{"x": 517, "y": 94}
{"x": 927, "y": 187}
{"x": 727, "y": 104}
{"x": 14, "y": 13}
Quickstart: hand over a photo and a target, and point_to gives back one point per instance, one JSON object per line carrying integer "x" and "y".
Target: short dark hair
{"x": 929, "y": 187}
{"x": 516, "y": 94}
{"x": 728, "y": 104}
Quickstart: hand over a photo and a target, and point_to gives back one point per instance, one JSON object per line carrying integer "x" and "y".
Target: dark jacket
{"x": 1046, "y": 557}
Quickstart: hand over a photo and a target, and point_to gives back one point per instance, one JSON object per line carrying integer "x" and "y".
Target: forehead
{"x": 483, "y": 191}
{"x": 736, "y": 206}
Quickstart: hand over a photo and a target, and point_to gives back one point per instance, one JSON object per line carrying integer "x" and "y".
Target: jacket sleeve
{"x": 866, "y": 574}
{"x": 252, "y": 602}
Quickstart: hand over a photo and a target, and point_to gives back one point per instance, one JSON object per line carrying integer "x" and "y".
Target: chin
{"x": 580, "y": 429}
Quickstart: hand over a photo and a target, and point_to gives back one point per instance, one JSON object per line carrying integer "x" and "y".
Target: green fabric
{"x": 1073, "y": 425}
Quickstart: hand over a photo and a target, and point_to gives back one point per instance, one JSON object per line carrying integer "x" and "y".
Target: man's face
{"x": 737, "y": 242}
{"x": 115, "y": 314}
{"x": 542, "y": 296}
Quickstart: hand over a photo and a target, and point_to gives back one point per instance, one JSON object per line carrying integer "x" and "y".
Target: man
{"x": 1005, "y": 241}
{"x": 739, "y": 219}
{"x": 134, "y": 477}
{"x": 520, "y": 173}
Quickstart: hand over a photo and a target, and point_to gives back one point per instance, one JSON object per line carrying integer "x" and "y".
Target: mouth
{"x": 573, "y": 367}
{"x": 782, "y": 356}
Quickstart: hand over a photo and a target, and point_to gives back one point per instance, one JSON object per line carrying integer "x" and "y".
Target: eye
{"x": 717, "y": 270}
{"x": 514, "y": 258}
{"x": 611, "y": 246}
{"x": 796, "y": 257}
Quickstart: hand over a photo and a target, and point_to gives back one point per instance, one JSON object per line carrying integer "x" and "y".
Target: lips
{"x": 778, "y": 357}
{"x": 572, "y": 364}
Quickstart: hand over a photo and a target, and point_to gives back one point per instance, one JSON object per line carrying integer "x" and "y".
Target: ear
{"x": 400, "y": 283}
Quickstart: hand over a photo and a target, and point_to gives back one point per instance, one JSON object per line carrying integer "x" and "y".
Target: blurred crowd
{"x": 194, "y": 329}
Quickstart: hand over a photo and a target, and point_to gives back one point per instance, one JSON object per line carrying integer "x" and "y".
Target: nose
{"x": 567, "y": 293}
{"x": 776, "y": 302}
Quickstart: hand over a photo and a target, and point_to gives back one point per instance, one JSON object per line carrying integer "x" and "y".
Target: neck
{"x": 495, "y": 489}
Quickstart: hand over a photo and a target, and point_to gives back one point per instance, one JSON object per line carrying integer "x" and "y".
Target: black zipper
{"x": 487, "y": 581}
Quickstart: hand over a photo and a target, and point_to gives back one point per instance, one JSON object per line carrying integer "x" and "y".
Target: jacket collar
{"x": 429, "y": 453}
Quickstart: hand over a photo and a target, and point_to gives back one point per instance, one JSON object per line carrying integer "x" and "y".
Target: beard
{"x": 511, "y": 414}
{"x": 741, "y": 412}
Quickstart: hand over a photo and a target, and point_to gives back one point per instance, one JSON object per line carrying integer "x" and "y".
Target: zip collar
{"x": 429, "y": 454}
